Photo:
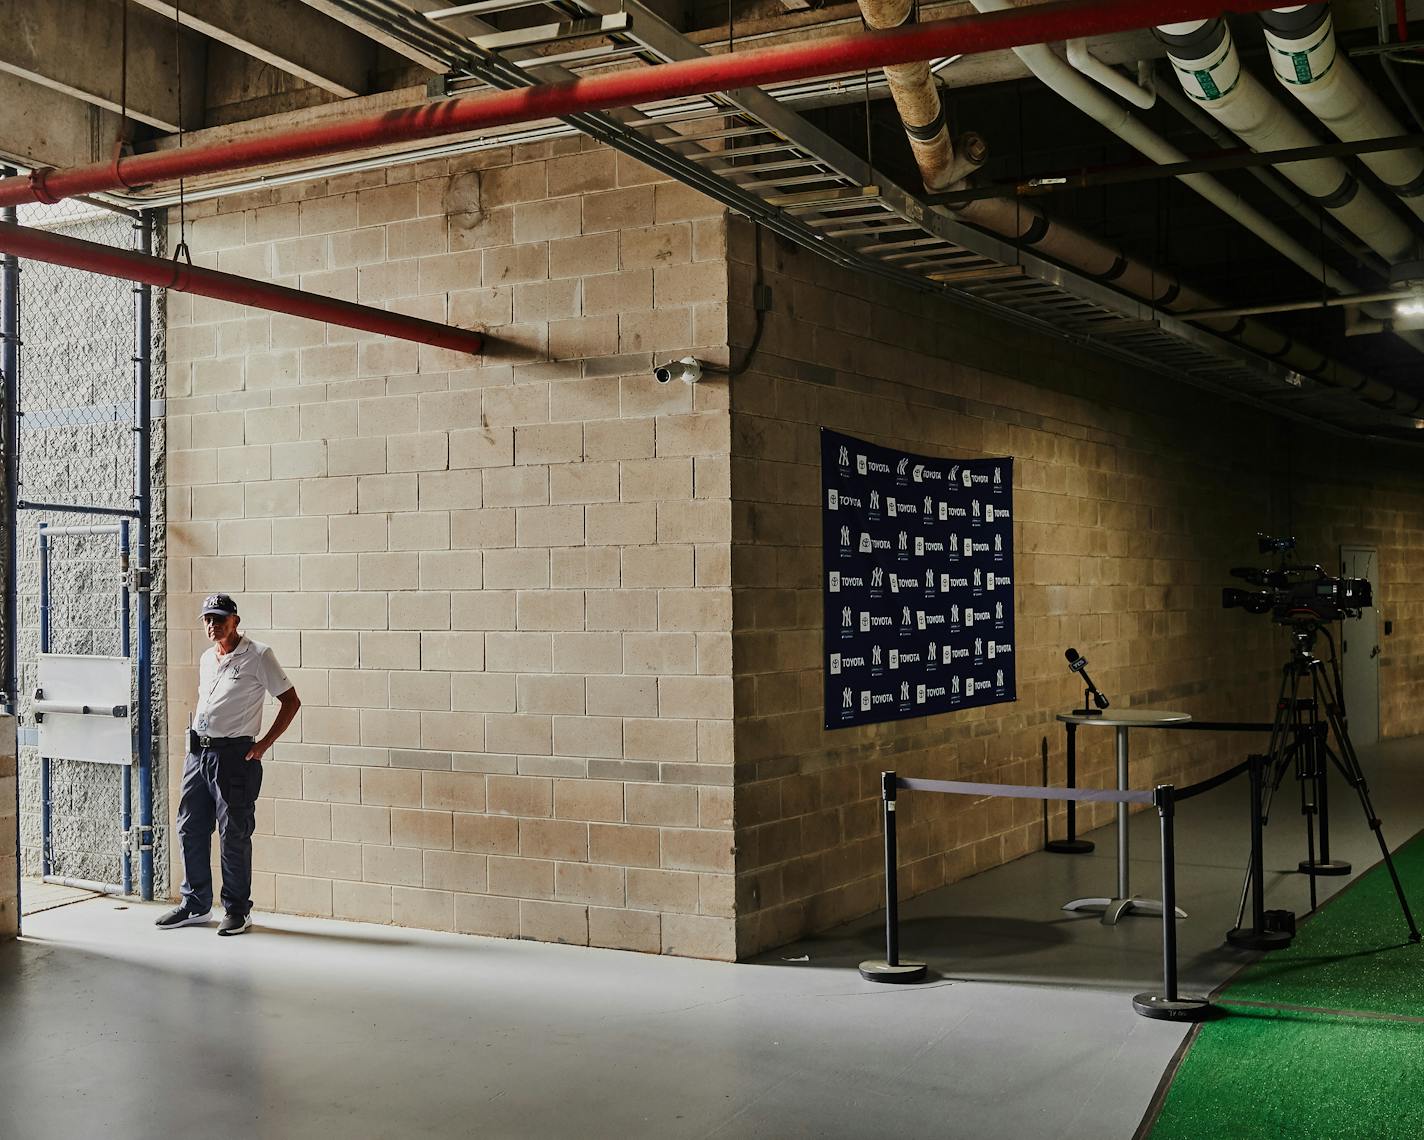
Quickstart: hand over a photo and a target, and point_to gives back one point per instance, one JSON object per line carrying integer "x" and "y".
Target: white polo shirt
{"x": 231, "y": 689}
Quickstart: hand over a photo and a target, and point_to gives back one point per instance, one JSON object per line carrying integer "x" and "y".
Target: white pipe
{"x": 1089, "y": 99}
{"x": 1310, "y": 65}
{"x": 1207, "y": 65}
{"x": 85, "y": 885}
{"x": 1141, "y": 94}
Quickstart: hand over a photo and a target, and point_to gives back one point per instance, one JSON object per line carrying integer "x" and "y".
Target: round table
{"x": 1122, "y": 721}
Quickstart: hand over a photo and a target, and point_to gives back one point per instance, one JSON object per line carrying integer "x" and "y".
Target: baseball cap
{"x": 220, "y": 605}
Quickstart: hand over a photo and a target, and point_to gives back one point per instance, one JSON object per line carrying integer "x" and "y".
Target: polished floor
{"x": 310, "y": 1028}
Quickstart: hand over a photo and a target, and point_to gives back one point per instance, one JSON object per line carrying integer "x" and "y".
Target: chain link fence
{"x": 76, "y": 447}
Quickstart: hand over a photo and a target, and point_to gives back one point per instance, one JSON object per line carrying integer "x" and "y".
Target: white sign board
{"x": 72, "y": 681}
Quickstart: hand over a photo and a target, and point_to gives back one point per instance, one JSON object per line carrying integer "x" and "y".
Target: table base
{"x": 1114, "y": 909}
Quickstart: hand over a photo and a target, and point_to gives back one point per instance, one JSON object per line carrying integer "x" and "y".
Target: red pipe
{"x": 1040, "y": 23}
{"x": 38, "y": 245}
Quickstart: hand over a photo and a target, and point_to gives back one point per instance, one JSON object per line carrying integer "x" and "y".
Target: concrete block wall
{"x": 500, "y": 584}
{"x": 9, "y": 832}
{"x": 1133, "y": 497}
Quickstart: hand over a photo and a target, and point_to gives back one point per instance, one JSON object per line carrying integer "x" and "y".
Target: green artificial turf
{"x": 1331, "y": 1044}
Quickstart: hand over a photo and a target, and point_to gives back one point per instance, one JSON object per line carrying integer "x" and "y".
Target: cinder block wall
{"x": 1133, "y": 497}
{"x": 501, "y": 584}
{"x": 9, "y": 833}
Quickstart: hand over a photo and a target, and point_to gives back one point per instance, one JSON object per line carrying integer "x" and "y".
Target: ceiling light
{"x": 1410, "y": 307}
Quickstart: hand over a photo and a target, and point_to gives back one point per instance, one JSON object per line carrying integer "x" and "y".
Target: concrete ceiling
{"x": 78, "y": 75}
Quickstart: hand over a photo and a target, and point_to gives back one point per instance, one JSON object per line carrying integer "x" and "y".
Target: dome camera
{"x": 688, "y": 370}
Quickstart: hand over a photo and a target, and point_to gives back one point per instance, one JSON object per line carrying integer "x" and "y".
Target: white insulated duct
{"x": 1309, "y": 64}
{"x": 1206, "y": 63}
{"x": 1088, "y": 98}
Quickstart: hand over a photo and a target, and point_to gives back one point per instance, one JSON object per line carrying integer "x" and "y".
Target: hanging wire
{"x": 181, "y": 249}
{"x": 123, "y": 77}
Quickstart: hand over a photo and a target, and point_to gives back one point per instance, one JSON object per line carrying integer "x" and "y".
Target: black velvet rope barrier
{"x": 1213, "y": 782}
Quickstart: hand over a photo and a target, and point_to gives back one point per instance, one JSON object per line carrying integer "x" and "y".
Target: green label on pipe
{"x": 1301, "y": 63}
{"x": 1208, "y": 85}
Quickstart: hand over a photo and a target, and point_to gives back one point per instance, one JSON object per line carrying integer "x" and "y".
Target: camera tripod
{"x": 1300, "y": 740}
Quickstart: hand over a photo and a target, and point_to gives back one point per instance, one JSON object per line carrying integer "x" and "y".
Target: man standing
{"x": 223, "y": 772}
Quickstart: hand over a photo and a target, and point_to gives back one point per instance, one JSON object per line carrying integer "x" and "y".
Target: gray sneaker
{"x": 181, "y": 916}
{"x": 234, "y": 924}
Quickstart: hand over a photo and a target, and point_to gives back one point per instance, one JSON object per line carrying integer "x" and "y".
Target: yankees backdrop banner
{"x": 919, "y": 586}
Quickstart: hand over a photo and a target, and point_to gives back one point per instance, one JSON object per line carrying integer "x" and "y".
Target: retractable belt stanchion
{"x": 1169, "y": 1005}
{"x": 1070, "y": 844}
{"x": 1256, "y": 936}
{"x": 891, "y": 969}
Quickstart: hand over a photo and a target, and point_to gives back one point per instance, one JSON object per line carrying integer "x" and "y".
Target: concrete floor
{"x": 37, "y": 895}
{"x": 311, "y": 1028}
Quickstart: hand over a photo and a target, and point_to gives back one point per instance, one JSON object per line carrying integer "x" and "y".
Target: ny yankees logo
{"x": 929, "y": 505}
{"x": 845, "y": 462}
{"x": 877, "y": 576}
{"x": 904, "y": 690}
{"x": 874, "y": 500}
{"x": 900, "y": 467}
{"x": 933, "y": 650}
{"x": 999, "y": 610}
{"x": 845, "y": 693}
{"x": 906, "y": 619}
{"x": 903, "y": 539}
{"x": 845, "y": 536}
{"x": 845, "y": 617}
{"x": 998, "y": 542}
{"x": 875, "y": 655}
{"x": 978, "y": 646}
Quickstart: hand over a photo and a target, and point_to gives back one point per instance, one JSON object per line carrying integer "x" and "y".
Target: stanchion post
{"x": 1256, "y": 936}
{"x": 1169, "y": 1005}
{"x": 891, "y": 969}
{"x": 1071, "y": 844}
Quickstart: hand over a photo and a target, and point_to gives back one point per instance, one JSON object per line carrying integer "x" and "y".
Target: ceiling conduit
{"x": 1061, "y": 19}
{"x": 1208, "y": 66}
{"x": 915, "y": 95}
{"x": 1310, "y": 65}
{"x": 1090, "y": 99}
{"x": 56, "y": 249}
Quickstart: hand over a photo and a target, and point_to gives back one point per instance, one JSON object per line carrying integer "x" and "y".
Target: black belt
{"x": 222, "y": 741}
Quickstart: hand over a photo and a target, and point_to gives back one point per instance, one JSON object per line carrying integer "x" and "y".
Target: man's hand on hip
{"x": 257, "y": 751}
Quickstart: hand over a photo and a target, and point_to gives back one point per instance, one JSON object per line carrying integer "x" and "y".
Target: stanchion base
{"x": 1249, "y": 938}
{"x": 1069, "y": 846}
{"x": 1172, "y": 1009}
{"x": 882, "y": 971}
{"x": 1328, "y": 867}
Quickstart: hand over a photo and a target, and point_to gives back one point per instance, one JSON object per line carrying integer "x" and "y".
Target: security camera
{"x": 688, "y": 370}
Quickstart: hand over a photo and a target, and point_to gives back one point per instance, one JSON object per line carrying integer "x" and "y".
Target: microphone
{"x": 1079, "y": 664}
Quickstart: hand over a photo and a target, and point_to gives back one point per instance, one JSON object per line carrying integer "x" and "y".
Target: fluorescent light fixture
{"x": 938, "y": 65}
{"x": 1413, "y": 307}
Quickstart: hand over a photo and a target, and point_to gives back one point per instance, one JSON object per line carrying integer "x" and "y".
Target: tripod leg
{"x": 1349, "y": 763}
{"x": 1281, "y": 750}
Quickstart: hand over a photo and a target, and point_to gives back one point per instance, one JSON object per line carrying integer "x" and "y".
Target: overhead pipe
{"x": 917, "y": 98}
{"x": 1206, "y": 63}
{"x": 1142, "y": 94}
{"x": 1310, "y": 65}
{"x": 39, "y": 245}
{"x": 1059, "y": 20}
{"x": 1088, "y": 98}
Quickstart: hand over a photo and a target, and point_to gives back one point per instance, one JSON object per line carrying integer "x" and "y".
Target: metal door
{"x": 1360, "y": 649}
